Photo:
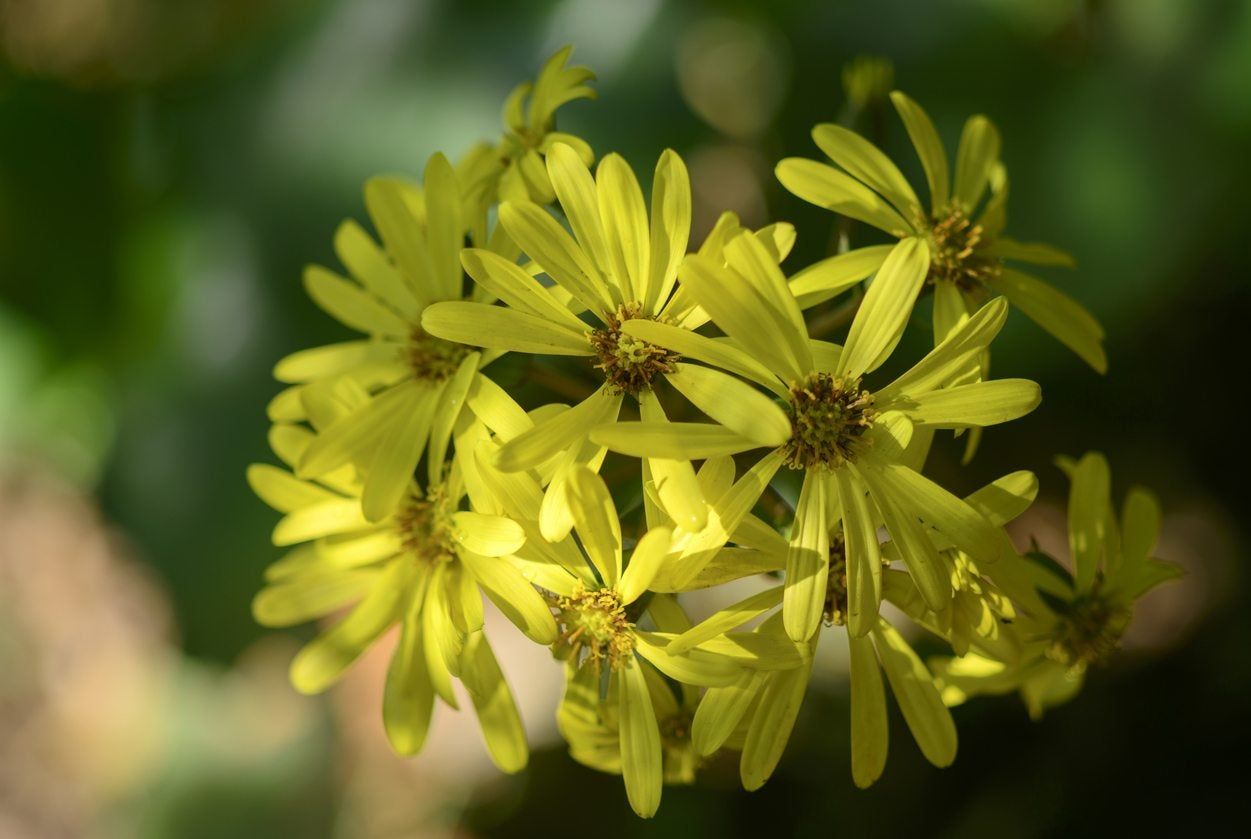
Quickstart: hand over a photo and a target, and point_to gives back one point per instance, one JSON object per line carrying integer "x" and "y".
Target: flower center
{"x": 954, "y": 240}
{"x": 593, "y": 626}
{"x": 629, "y": 365}
{"x": 432, "y": 359}
{"x": 425, "y": 526}
{"x": 835, "y": 611}
{"x": 1089, "y": 631}
{"x": 829, "y": 415}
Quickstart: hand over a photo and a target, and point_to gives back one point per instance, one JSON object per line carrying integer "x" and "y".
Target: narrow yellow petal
{"x": 807, "y": 562}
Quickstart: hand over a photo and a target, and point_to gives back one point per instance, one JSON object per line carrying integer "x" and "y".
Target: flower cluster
{"x": 417, "y": 479}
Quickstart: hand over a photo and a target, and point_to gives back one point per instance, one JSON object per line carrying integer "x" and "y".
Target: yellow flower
{"x": 852, "y": 443}
{"x": 423, "y": 566}
{"x": 962, "y": 226}
{"x": 420, "y": 382}
{"x": 590, "y": 723}
{"x": 512, "y": 169}
{"x": 622, "y": 266}
{"x": 1072, "y": 617}
{"x": 599, "y": 607}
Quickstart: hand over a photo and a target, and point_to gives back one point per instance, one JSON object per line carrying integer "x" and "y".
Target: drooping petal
{"x": 641, "y": 764}
{"x": 918, "y": 698}
{"x": 863, "y": 554}
{"x": 1057, "y": 313}
{"x": 492, "y": 700}
{"x": 675, "y": 480}
{"x": 909, "y": 536}
{"x": 870, "y": 731}
{"x": 771, "y": 725}
{"x": 408, "y": 698}
{"x": 447, "y": 412}
{"x": 807, "y": 562}
{"x": 322, "y": 661}
{"x": 721, "y": 710}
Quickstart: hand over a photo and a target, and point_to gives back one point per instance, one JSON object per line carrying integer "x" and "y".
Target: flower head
{"x": 421, "y": 566}
{"x": 1072, "y": 617}
{"x": 419, "y": 381}
{"x": 512, "y": 169}
{"x": 620, "y": 264}
{"x": 962, "y": 224}
{"x": 851, "y": 440}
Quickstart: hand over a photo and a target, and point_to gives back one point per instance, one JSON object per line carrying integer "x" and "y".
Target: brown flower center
{"x": 629, "y": 365}
{"x": 593, "y": 626}
{"x": 1088, "y": 631}
{"x": 954, "y": 241}
{"x": 425, "y": 526}
{"x": 432, "y": 359}
{"x": 829, "y": 415}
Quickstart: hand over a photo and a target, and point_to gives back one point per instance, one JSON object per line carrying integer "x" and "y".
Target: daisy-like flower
{"x": 512, "y": 169}
{"x": 962, "y": 225}
{"x": 1073, "y": 617}
{"x": 850, "y": 441}
{"x": 420, "y": 382}
{"x": 423, "y": 566}
{"x": 598, "y": 608}
{"x": 590, "y": 723}
{"x": 621, "y": 265}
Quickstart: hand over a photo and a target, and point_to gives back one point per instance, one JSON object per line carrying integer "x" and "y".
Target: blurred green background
{"x": 167, "y": 168}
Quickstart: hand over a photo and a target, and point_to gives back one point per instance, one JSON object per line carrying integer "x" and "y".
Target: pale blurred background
{"x": 166, "y": 170}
